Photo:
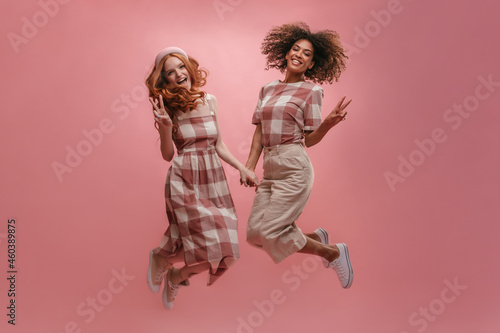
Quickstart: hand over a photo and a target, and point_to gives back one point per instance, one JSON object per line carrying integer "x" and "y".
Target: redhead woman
{"x": 202, "y": 231}
{"x": 287, "y": 119}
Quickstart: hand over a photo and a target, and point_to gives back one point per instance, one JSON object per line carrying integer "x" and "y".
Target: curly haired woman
{"x": 287, "y": 118}
{"x": 202, "y": 230}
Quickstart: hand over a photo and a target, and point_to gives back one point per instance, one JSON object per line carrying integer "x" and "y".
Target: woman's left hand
{"x": 248, "y": 178}
{"x": 338, "y": 114}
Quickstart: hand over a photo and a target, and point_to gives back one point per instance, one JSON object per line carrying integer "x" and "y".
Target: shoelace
{"x": 160, "y": 275}
{"x": 339, "y": 269}
{"x": 173, "y": 288}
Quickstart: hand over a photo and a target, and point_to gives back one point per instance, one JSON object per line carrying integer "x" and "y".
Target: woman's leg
{"x": 182, "y": 274}
{"x": 179, "y": 257}
{"x": 177, "y": 276}
{"x": 259, "y": 206}
{"x": 287, "y": 184}
{"x": 335, "y": 256}
{"x": 313, "y": 246}
{"x": 313, "y": 236}
{"x": 161, "y": 263}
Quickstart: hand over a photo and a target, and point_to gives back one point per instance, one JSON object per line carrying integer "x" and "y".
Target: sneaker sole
{"x": 348, "y": 259}
{"x": 166, "y": 304}
{"x": 323, "y": 233}
{"x": 153, "y": 287}
{"x": 323, "y": 237}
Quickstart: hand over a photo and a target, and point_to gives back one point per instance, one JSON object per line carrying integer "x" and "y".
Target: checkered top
{"x": 195, "y": 133}
{"x": 287, "y": 110}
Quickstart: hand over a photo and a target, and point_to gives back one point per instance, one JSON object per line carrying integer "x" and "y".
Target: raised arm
{"x": 164, "y": 128}
{"x": 337, "y": 115}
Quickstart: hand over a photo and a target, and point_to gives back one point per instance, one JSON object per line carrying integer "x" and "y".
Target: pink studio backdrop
{"x": 410, "y": 180}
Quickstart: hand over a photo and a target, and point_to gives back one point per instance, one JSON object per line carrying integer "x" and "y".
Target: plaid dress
{"x": 200, "y": 210}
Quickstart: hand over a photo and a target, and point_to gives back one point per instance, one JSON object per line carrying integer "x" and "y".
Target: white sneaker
{"x": 323, "y": 236}
{"x": 342, "y": 266}
{"x": 171, "y": 290}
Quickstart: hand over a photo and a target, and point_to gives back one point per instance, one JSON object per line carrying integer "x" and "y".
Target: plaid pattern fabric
{"x": 200, "y": 210}
{"x": 287, "y": 110}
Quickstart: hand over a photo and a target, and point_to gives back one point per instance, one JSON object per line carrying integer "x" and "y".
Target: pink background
{"x": 410, "y": 238}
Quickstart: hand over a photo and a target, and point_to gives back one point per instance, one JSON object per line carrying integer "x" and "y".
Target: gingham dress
{"x": 200, "y": 210}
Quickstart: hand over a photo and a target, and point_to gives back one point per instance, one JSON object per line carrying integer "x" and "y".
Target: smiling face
{"x": 300, "y": 57}
{"x": 176, "y": 73}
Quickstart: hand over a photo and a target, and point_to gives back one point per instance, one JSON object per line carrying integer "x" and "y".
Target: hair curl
{"x": 328, "y": 53}
{"x": 177, "y": 98}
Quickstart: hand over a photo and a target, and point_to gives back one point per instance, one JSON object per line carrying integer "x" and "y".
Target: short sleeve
{"x": 212, "y": 103}
{"x": 258, "y": 111}
{"x": 312, "y": 109}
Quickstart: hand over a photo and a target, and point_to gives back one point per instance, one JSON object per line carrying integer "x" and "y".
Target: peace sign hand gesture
{"x": 338, "y": 114}
{"x": 160, "y": 113}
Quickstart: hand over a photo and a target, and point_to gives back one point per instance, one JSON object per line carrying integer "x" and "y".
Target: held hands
{"x": 248, "y": 178}
{"x": 160, "y": 113}
{"x": 338, "y": 114}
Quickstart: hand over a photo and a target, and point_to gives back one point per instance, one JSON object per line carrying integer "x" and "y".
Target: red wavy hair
{"x": 177, "y": 98}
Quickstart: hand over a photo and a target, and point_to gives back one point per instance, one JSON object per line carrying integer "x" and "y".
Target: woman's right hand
{"x": 160, "y": 113}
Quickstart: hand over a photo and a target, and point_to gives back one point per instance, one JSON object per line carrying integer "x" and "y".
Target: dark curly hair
{"x": 328, "y": 53}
